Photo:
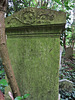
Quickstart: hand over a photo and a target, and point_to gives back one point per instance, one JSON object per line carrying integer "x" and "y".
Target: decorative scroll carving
{"x": 45, "y": 18}
{"x": 18, "y": 19}
{"x": 31, "y": 16}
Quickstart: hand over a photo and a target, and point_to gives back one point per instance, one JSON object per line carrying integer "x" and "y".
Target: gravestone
{"x": 65, "y": 85}
{"x": 33, "y": 41}
{"x": 69, "y": 52}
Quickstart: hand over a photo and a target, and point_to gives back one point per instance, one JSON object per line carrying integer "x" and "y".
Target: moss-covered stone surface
{"x": 35, "y": 61}
{"x": 33, "y": 41}
{"x": 34, "y": 16}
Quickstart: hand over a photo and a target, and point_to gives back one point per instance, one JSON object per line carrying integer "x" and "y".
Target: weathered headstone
{"x": 69, "y": 52}
{"x": 33, "y": 40}
{"x": 66, "y": 85}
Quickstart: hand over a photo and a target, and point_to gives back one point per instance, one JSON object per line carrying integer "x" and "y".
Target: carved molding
{"x": 32, "y": 16}
{"x": 28, "y": 17}
{"x": 45, "y": 18}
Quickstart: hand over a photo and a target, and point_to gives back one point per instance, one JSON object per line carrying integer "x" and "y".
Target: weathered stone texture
{"x": 34, "y": 16}
{"x": 33, "y": 42}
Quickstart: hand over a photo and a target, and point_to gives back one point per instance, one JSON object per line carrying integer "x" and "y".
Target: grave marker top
{"x": 33, "y": 16}
{"x": 36, "y": 20}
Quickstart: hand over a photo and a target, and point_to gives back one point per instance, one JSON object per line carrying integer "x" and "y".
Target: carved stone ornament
{"x": 35, "y": 16}
{"x": 45, "y": 18}
{"x": 30, "y": 16}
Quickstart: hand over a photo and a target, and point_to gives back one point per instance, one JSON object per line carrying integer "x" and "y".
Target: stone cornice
{"x": 35, "y": 16}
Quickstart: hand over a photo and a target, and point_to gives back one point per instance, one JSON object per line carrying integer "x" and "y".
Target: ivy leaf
{"x": 66, "y": 2}
{"x": 68, "y": 17}
{"x": 72, "y": 6}
{"x": 3, "y": 82}
{"x": 57, "y": 1}
{"x": 43, "y": 7}
{"x": 26, "y": 96}
{"x": 69, "y": 29}
{"x": 18, "y": 98}
{"x": 1, "y": 72}
{"x": 35, "y": 2}
{"x": 68, "y": 8}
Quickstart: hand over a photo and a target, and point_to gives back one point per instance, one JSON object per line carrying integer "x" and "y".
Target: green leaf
{"x": 68, "y": 17}
{"x": 69, "y": 29}
{"x": 68, "y": 8}
{"x": 66, "y": 2}
{"x": 26, "y": 96}
{"x": 3, "y": 82}
{"x": 13, "y": 0}
{"x": 72, "y": 6}
{"x": 58, "y": 1}
{"x": 43, "y": 7}
{"x": 1, "y": 72}
{"x": 34, "y": 1}
{"x": 18, "y": 98}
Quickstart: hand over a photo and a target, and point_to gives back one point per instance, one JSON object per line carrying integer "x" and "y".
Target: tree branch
{"x": 4, "y": 52}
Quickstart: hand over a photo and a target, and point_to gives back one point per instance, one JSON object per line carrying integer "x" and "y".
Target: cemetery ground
{"x": 67, "y": 71}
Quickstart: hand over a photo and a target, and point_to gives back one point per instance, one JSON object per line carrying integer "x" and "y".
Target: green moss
{"x": 33, "y": 45}
{"x": 35, "y": 62}
{"x": 34, "y": 16}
